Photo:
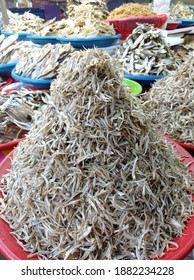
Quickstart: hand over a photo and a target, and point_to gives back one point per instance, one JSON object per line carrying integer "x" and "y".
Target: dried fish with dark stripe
{"x": 91, "y": 181}
{"x": 170, "y": 103}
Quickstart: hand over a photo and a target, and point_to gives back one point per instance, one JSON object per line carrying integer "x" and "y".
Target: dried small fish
{"x": 170, "y": 103}
{"x": 145, "y": 52}
{"x": 92, "y": 180}
{"x": 181, "y": 11}
{"x": 17, "y": 112}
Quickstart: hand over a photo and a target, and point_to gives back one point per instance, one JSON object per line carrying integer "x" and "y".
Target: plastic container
{"x": 9, "y": 81}
{"x": 136, "y": 88}
{"x": 125, "y": 26}
{"x": 172, "y": 25}
{"x": 13, "y": 251}
{"x": 37, "y": 83}
{"x": 10, "y": 145}
{"x": 185, "y": 23}
{"x": 144, "y": 81}
{"x": 91, "y": 42}
{"x": 7, "y": 68}
{"x": 43, "y": 40}
{"x": 22, "y": 36}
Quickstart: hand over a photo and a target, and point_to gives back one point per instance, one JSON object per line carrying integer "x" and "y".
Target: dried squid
{"x": 92, "y": 181}
{"x": 170, "y": 103}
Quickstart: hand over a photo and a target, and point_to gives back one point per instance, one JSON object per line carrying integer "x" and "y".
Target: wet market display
{"x": 99, "y": 183}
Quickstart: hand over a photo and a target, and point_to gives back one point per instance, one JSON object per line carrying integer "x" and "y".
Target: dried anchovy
{"x": 43, "y": 63}
{"x": 131, "y": 10}
{"x": 145, "y": 52}
{"x": 16, "y": 112}
{"x": 92, "y": 181}
{"x": 170, "y": 103}
{"x": 181, "y": 11}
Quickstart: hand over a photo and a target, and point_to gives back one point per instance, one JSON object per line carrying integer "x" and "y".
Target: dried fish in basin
{"x": 181, "y": 11}
{"x": 170, "y": 103}
{"x": 17, "y": 111}
{"x": 43, "y": 63}
{"x": 87, "y": 21}
{"x": 145, "y": 52}
{"x": 10, "y": 49}
{"x": 92, "y": 181}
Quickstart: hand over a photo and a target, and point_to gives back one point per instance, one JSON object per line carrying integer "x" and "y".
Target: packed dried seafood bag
{"x": 99, "y": 184}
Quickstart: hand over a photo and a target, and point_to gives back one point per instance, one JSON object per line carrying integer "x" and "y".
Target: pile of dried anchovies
{"x": 91, "y": 181}
{"x": 170, "y": 103}
{"x": 16, "y": 112}
{"x": 43, "y": 63}
{"x": 145, "y": 52}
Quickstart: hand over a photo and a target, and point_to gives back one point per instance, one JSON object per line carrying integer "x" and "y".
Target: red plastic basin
{"x": 125, "y": 26}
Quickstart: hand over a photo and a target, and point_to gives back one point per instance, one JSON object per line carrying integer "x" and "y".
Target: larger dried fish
{"x": 43, "y": 63}
{"x": 17, "y": 112}
{"x": 145, "y": 52}
{"x": 92, "y": 181}
{"x": 10, "y": 49}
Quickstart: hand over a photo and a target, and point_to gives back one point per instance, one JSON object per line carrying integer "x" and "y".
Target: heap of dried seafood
{"x": 16, "y": 112}
{"x": 25, "y": 23}
{"x": 91, "y": 181}
{"x": 87, "y": 21}
{"x": 99, "y": 5}
{"x": 10, "y": 49}
{"x": 131, "y": 10}
{"x": 43, "y": 63}
{"x": 170, "y": 103}
{"x": 145, "y": 52}
{"x": 181, "y": 11}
